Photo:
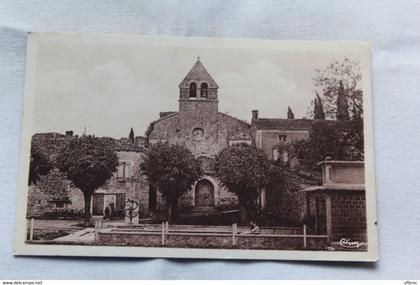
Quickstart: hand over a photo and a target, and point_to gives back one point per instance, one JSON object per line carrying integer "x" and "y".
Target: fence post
{"x": 96, "y": 229}
{"x": 163, "y": 233}
{"x": 31, "y": 232}
{"x": 304, "y": 236}
{"x": 233, "y": 234}
{"x": 167, "y": 227}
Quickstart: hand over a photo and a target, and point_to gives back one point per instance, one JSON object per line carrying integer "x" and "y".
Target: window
{"x": 198, "y": 134}
{"x": 281, "y": 138}
{"x": 123, "y": 171}
{"x": 59, "y": 204}
{"x": 280, "y": 154}
{"x": 285, "y": 156}
{"x": 204, "y": 90}
{"x": 193, "y": 90}
{"x": 275, "y": 154}
{"x": 206, "y": 164}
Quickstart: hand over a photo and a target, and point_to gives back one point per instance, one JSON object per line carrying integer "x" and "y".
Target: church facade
{"x": 200, "y": 127}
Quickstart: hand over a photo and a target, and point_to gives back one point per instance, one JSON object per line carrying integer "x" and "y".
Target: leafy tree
{"x": 319, "y": 113}
{"x": 131, "y": 135}
{"x": 147, "y": 133}
{"x": 283, "y": 196}
{"x": 290, "y": 114}
{"x": 54, "y": 183}
{"x": 327, "y": 83}
{"x": 39, "y": 165}
{"x": 88, "y": 163}
{"x": 172, "y": 170}
{"x": 244, "y": 170}
{"x": 339, "y": 140}
{"x": 342, "y": 104}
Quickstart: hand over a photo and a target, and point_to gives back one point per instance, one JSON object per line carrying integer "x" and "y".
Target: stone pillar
{"x": 262, "y": 197}
{"x": 327, "y": 174}
{"x": 135, "y": 220}
{"x": 308, "y": 205}
{"x": 328, "y": 213}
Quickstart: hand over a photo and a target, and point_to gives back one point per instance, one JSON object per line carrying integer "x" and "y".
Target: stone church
{"x": 200, "y": 127}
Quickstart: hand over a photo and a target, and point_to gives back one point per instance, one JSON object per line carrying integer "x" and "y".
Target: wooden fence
{"x": 187, "y": 231}
{"x": 33, "y": 228}
{"x": 196, "y": 236}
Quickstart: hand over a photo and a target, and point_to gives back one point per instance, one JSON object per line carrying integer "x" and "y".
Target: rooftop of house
{"x": 54, "y": 141}
{"x": 282, "y": 124}
{"x": 50, "y": 135}
{"x": 164, "y": 114}
{"x": 342, "y": 162}
{"x": 122, "y": 144}
{"x": 336, "y": 187}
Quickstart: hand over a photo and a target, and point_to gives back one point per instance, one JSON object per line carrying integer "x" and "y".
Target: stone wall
{"x": 352, "y": 173}
{"x": 218, "y": 129}
{"x": 154, "y": 239}
{"x": 39, "y": 204}
{"x": 348, "y": 214}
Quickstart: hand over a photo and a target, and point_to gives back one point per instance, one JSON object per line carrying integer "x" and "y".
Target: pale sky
{"x": 111, "y": 87}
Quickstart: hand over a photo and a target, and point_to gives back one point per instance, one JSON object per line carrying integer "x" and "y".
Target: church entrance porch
{"x": 204, "y": 195}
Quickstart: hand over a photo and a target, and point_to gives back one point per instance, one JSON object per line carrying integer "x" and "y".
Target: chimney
{"x": 69, "y": 133}
{"x": 255, "y": 114}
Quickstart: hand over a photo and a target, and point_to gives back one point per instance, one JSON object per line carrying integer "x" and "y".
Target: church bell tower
{"x": 198, "y": 94}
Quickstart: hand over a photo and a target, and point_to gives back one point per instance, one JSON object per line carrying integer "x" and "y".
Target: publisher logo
{"x": 348, "y": 243}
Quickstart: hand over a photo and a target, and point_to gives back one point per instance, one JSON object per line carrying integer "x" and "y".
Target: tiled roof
{"x": 123, "y": 144}
{"x": 232, "y": 117}
{"x": 337, "y": 187}
{"x": 51, "y": 143}
{"x": 51, "y": 135}
{"x": 283, "y": 124}
{"x": 164, "y": 114}
{"x": 198, "y": 73}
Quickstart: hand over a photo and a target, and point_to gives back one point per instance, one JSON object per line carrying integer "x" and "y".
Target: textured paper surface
{"x": 390, "y": 26}
{"x": 36, "y": 107}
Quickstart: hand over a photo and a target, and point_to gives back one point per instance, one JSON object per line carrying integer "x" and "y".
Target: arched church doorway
{"x": 204, "y": 194}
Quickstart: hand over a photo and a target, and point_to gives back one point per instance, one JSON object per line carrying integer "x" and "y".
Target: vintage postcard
{"x": 196, "y": 148}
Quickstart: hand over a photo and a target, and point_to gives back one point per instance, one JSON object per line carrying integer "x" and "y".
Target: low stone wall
{"x": 129, "y": 239}
{"x": 209, "y": 240}
{"x": 282, "y": 242}
{"x": 210, "y": 229}
{"x": 199, "y": 241}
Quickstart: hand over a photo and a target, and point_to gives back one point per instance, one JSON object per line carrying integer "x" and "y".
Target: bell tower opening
{"x": 193, "y": 90}
{"x": 198, "y": 84}
{"x": 198, "y": 101}
{"x": 204, "y": 90}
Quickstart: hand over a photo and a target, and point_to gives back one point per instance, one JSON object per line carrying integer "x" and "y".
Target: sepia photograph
{"x": 196, "y": 147}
